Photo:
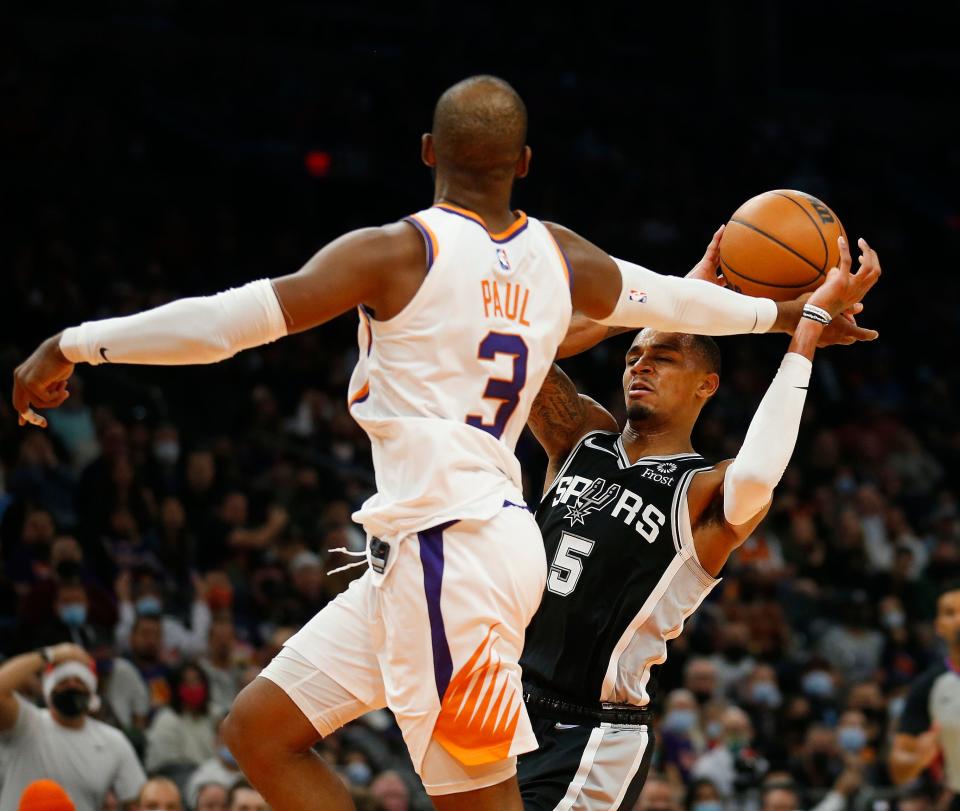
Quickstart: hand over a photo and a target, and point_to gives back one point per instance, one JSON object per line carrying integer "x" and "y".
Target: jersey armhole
{"x": 564, "y": 262}
{"x": 685, "y": 544}
{"x": 429, "y": 238}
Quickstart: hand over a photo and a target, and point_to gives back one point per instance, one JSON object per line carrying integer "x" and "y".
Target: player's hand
{"x": 843, "y": 289}
{"x": 927, "y": 745}
{"x": 41, "y": 382}
{"x": 708, "y": 268}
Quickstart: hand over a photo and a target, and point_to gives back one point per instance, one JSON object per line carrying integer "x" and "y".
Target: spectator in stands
{"x": 732, "y": 765}
{"x": 85, "y": 756}
{"x": 223, "y": 670}
{"x": 211, "y": 797}
{"x": 703, "y": 795}
{"x": 733, "y": 661}
{"x": 221, "y": 769}
{"x": 657, "y": 795}
{"x": 123, "y": 692}
{"x": 390, "y": 791}
{"x": 159, "y": 794}
{"x": 700, "y": 678}
{"x": 680, "y": 733}
{"x": 183, "y": 734}
{"x": 146, "y": 654}
{"x": 244, "y": 797}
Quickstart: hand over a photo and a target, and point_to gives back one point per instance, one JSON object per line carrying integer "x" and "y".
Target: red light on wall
{"x": 317, "y": 163}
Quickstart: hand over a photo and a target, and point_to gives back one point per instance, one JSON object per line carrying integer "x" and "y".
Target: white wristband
{"x": 187, "y": 331}
{"x": 648, "y": 299}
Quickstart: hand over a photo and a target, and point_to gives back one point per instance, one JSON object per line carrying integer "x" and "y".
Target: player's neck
{"x": 492, "y": 205}
{"x": 654, "y": 440}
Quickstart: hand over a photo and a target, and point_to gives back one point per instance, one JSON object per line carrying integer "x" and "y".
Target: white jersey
{"x": 443, "y": 389}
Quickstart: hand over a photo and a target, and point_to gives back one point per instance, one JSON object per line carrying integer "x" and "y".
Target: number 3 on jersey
{"x": 506, "y": 391}
{"x": 567, "y": 565}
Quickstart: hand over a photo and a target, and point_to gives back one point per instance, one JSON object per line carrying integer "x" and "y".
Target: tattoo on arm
{"x": 558, "y": 412}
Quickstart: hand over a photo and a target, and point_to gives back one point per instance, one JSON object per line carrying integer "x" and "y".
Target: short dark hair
{"x": 176, "y": 679}
{"x": 238, "y": 786}
{"x": 953, "y": 584}
{"x": 708, "y": 352}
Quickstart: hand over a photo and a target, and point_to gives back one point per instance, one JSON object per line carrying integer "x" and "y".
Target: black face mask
{"x": 71, "y": 703}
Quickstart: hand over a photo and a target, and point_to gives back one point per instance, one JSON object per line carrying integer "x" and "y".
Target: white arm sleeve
{"x": 766, "y": 450}
{"x": 671, "y": 303}
{"x": 192, "y": 330}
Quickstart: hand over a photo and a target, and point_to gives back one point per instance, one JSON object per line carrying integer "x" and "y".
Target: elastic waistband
{"x": 556, "y": 707}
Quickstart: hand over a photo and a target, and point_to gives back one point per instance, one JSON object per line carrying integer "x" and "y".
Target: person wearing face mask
{"x": 704, "y": 796}
{"x": 178, "y": 638}
{"x": 732, "y": 766}
{"x": 183, "y": 734}
{"x": 681, "y": 734}
{"x": 658, "y": 795}
{"x": 85, "y": 756}
{"x": 929, "y": 725}
{"x": 221, "y": 769}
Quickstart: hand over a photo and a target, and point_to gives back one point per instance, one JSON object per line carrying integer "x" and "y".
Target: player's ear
{"x": 427, "y": 153}
{"x": 523, "y": 164}
{"x": 708, "y": 386}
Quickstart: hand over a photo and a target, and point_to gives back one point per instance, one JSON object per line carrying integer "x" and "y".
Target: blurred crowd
{"x": 180, "y": 524}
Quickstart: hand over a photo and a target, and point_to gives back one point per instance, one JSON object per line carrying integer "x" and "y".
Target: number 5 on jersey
{"x": 567, "y": 565}
{"x": 506, "y": 391}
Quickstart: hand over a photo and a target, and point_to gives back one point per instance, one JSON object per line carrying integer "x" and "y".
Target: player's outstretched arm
{"x": 614, "y": 292}
{"x": 560, "y": 417}
{"x": 379, "y": 267}
{"x": 729, "y": 502}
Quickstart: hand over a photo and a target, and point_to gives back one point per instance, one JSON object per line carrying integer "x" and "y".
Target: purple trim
{"x": 360, "y": 399}
{"x": 471, "y": 219}
{"x": 566, "y": 261}
{"x": 431, "y": 557}
{"x": 426, "y": 239}
{"x": 519, "y": 506}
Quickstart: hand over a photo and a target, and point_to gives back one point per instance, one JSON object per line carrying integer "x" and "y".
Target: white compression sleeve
{"x": 766, "y": 450}
{"x": 191, "y": 330}
{"x": 671, "y": 303}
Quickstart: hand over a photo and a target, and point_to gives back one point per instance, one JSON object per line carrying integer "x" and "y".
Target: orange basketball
{"x": 780, "y": 244}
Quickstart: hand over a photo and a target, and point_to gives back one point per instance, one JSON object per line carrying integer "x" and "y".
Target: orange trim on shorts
{"x": 518, "y": 224}
{"x": 474, "y": 725}
{"x": 361, "y": 395}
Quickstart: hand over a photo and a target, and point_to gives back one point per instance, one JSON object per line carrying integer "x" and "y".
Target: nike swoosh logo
{"x": 566, "y": 726}
{"x": 103, "y": 354}
{"x": 589, "y": 443}
{"x": 802, "y": 388}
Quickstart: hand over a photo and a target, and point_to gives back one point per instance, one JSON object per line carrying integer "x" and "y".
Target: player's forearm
{"x": 558, "y": 413}
{"x": 767, "y": 448}
{"x": 675, "y": 304}
{"x": 584, "y": 333}
{"x": 906, "y": 766}
{"x": 192, "y": 330}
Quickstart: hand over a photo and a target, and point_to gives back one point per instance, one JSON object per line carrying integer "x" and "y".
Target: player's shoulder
{"x": 395, "y": 245}
{"x": 925, "y": 682}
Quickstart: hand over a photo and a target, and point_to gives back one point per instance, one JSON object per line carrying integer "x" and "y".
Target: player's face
{"x": 948, "y": 618}
{"x": 663, "y": 377}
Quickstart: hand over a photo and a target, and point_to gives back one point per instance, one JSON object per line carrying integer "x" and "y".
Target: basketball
{"x": 780, "y": 244}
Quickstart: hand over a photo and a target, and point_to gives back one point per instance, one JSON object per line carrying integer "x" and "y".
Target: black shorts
{"x": 584, "y": 768}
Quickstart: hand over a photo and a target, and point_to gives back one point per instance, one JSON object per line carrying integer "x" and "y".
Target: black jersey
{"x": 623, "y": 576}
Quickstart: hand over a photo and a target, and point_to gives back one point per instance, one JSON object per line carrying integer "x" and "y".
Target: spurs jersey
{"x": 443, "y": 389}
{"x": 624, "y": 575}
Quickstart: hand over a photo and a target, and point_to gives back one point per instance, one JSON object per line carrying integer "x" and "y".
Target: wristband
{"x": 818, "y": 314}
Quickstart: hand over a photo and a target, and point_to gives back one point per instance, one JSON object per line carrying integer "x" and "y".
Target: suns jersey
{"x": 624, "y": 574}
{"x": 443, "y": 389}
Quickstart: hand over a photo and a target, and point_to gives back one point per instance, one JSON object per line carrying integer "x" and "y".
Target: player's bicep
{"x": 9, "y": 711}
{"x": 357, "y": 268}
{"x": 597, "y": 280}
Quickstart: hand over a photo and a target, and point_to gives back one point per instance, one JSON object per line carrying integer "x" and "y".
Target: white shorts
{"x": 438, "y": 641}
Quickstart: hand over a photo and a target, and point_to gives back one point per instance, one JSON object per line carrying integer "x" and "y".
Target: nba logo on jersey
{"x": 638, "y": 296}
{"x": 502, "y": 259}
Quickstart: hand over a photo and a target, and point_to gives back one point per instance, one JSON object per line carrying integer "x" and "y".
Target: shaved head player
{"x": 462, "y": 307}
{"x": 636, "y": 527}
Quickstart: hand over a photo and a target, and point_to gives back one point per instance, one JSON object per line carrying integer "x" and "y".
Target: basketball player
{"x": 462, "y": 307}
{"x": 637, "y": 527}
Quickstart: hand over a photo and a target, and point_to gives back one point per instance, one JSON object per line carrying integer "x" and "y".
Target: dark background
{"x": 158, "y": 149}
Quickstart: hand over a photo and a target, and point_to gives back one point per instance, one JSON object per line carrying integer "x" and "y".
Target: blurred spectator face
{"x": 146, "y": 639}
{"x": 682, "y": 713}
{"x": 818, "y": 683}
{"x": 306, "y": 571}
{"x": 762, "y": 689}
{"x": 390, "y": 790}
{"x": 948, "y": 618}
{"x": 700, "y": 678}
{"x": 160, "y": 794}
{"x": 193, "y": 690}
{"x": 201, "y": 471}
{"x": 222, "y": 638}
{"x": 38, "y": 528}
{"x": 852, "y": 731}
{"x": 172, "y": 515}
{"x": 212, "y": 797}
{"x": 737, "y": 729}
{"x": 69, "y": 698}
{"x": 166, "y": 444}
{"x": 113, "y": 441}
{"x": 71, "y": 605}
{"x": 657, "y": 796}
{"x": 65, "y": 549}
{"x": 892, "y": 615}
{"x": 734, "y": 639}
{"x": 248, "y": 799}
{"x": 233, "y": 510}
{"x": 780, "y": 799}
{"x": 704, "y": 795}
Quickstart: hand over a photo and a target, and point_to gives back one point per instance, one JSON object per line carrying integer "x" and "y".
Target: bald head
{"x": 480, "y": 128}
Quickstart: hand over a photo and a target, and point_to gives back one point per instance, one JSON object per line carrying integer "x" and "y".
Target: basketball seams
{"x": 783, "y": 245}
{"x": 803, "y": 286}
{"x": 823, "y": 239}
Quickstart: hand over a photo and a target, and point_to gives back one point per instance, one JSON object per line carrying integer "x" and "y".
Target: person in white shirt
{"x": 85, "y": 756}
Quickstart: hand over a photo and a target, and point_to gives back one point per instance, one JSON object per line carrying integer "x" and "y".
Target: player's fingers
{"x": 21, "y": 397}
{"x": 33, "y": 418}
{"x": 844, "y": 255}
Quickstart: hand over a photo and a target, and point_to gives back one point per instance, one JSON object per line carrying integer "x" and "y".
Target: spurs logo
{"x": 592, "y": 499}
